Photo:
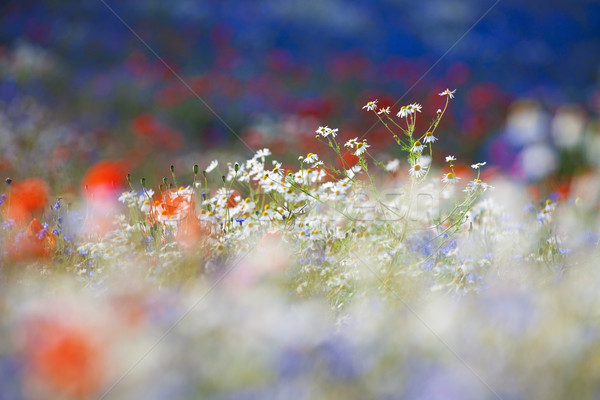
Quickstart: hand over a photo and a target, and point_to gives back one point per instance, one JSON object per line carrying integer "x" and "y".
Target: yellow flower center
{"x": 417, "y": 167}
{"x": 450, "y": 175}
{"x": 417, "y": 144}
{"x": 428, "y": 134}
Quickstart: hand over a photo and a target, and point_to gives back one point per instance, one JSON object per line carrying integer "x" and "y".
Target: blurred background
{"x": 77, "y": 86}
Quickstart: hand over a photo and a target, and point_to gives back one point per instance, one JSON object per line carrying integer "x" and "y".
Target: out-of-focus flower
{"x": 568, "y": 126}
{"x": 174, "y": 205}
{"x": 478, "y": 165}
{"x": 104, "y": 180}
{"x": 213, "y": 164}
{"x": 36, "y": 242}
{"x": 63, "y": 358}
{"x": 450, "y": 177}
{"x": 477, "y": 184}
{"x": 537, "y": 161}
{"x": 25, "y": 199}
{"x": 393, "y": 165}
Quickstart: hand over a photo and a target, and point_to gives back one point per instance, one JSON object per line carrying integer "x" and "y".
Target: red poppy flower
{"x": 65, "y": 358}
{"x": 26, "y": 198}
{"x": 105, "y": 180}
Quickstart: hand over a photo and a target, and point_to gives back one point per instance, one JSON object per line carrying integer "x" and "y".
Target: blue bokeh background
{"x": 256, "y": 63}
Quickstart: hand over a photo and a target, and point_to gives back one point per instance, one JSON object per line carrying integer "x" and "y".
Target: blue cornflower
{"x": 57, "y": 231}
{"x": 240, "y": 220}
{"x": 56, "y": 205}
{"x": 2, "y": 198}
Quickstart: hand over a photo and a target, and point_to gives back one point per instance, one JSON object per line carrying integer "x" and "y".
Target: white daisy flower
{"x": 450, "y": 158}
{"x": 263, "y": 153}
{"x": 417, "y": 147}
{"x": 317, "y": 164}
{"x": 371, "y": 106}
{"x": 211, "y": 166}
{"x": 385, "y": 111}
{"x": 361, "y": 147}
{"x": 415, "y": 107}
{"x": 322, "y": 130}
{"x": 409, "y": 109}
{"x": 448, "y": 93}
{"x": 417, "y": 169}
{"x": 429, "y": 138}
{"x": 477, "y": 184}
{"x": 450, "y": 177}
{"x": 393, "y": 165}
{"x": 351, "y": 142}
{"x": 276, "y": 166}
{"x": 478, "y": 165}
{"x": 311, "y": 158}
{"x": 332, "y": 132}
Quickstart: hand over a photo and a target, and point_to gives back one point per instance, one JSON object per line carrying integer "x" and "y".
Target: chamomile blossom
{"x": 429, "y": 138}
{"x": 351, "y": 143}
{"x": 451, "y": 178}
{"x": 448, "y": 93}
{"x": 478, "y": 165}
{"x": 326, "y": 131}
{"x": 322, "y": 130}
{"x": 417, "y": 169}
{"x": 449, "y": 159}
{"x": 361, "y": 147}
{"x": 408, "y": 110}
{"x": 263, "y": 153}
{"x": 213, "y": 164}
{"x": 371, "y": 106}
{"x": 311, "y": 158}
{"x": 332, "y": 132}
{"x": 385, "y": 111}
{"x": 417, "y": 147}
{"x": 477, "y": 184}
{"x": 277, "y": 167}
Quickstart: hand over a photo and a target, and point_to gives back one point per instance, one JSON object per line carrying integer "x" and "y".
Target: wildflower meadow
{"x": 371, "y": 278}
{"x": 371, "y": 243}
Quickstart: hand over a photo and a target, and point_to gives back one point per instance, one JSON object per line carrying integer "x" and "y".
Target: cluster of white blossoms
{"x": 416, "y": 145}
